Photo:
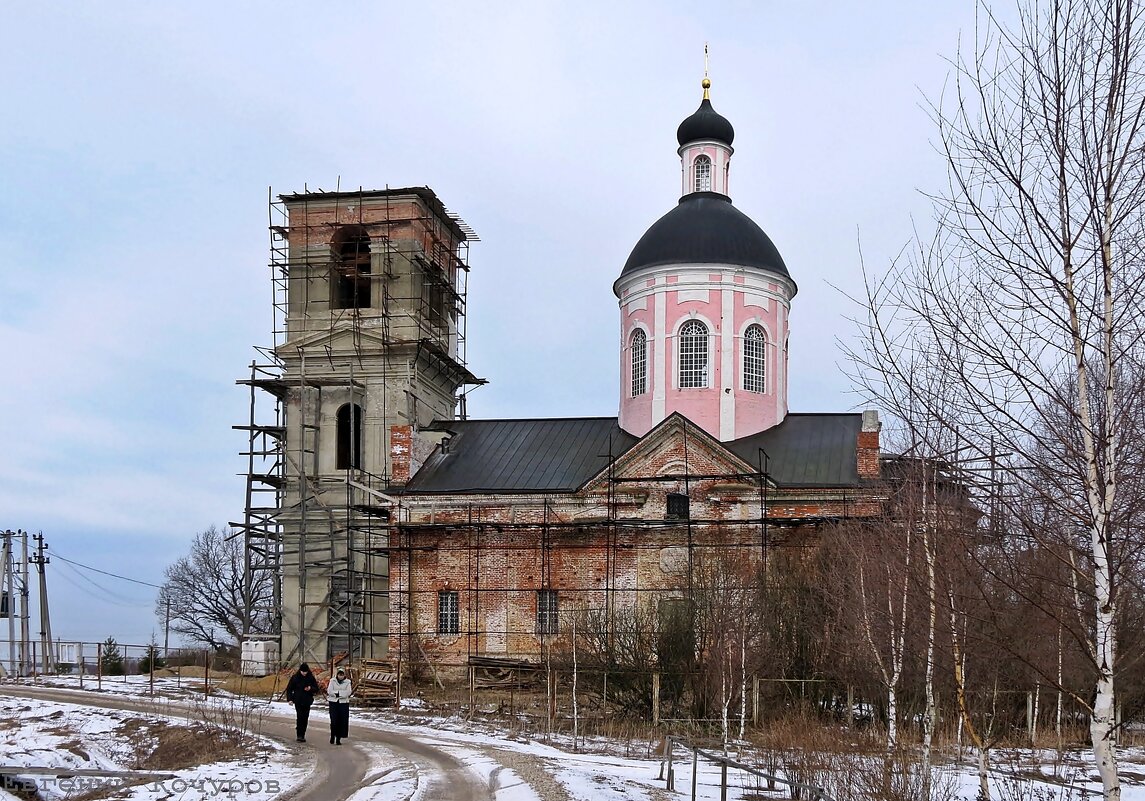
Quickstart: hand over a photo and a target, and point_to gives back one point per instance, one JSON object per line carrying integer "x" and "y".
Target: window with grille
{"x": 754, "y": 359}
{"x": 639, "y": 362}
{"x": 703, "y": 171}
{"x": 693, "y": 341}
{"x": 448, "y": 616}
{"x": 678, "y": 508}
{"x": 546, "y": 612}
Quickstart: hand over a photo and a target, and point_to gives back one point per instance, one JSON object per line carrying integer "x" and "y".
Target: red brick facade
{"x": 609, "y": 544}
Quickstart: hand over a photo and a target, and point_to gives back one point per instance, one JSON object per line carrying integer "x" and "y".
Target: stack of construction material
{"x": 377, "y": 682}
{"x": 492, "y": 671}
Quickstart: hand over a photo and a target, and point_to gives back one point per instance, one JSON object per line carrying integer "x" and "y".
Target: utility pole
{"x": 40, "y": 560}
{"x": 25, "y": 634}
{"x": 14, "y": 595}
{"x": 8, "y": 598}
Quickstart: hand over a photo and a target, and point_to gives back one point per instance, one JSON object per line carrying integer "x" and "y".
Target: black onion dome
{"x": 705, "y": 228}
{"x": 706, "y": 123}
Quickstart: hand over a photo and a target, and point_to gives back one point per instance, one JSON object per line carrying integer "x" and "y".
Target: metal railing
{"x": 811, "y": 792}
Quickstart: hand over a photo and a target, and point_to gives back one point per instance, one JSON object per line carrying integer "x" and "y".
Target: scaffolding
{"x": 368, "y": 317}
{"x": 369, "y": 293}
{"x": 495, "y": 551}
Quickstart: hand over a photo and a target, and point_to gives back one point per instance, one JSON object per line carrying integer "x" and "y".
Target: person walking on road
{"x": 338, "y": 694}
{"x": 300, "y": 691}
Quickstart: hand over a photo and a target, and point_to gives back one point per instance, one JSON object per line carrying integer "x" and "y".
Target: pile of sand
{"x": 196, "y": 672}
{"x": 258, "y": 686}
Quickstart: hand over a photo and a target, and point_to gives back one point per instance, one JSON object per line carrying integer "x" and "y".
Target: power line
{"x": 108, "y": 596}
{"x": 104, "y": 572}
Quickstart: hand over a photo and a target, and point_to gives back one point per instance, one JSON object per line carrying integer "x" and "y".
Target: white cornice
{"x": 700, "y": 142}
{"x": 756, "y": 280}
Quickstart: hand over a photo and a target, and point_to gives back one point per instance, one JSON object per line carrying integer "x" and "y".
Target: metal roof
{"x": 807, "y": 450}
{"x": 705, "y": 228}
{"x": 705, "y": 123}
{"x": 551, "y": 455}
{"x": 560, "y": 455}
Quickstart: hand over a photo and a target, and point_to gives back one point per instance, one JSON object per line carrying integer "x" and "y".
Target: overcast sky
{"x": 138, "y": 142}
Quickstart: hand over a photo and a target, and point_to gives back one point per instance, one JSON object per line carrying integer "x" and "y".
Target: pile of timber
{"x": 377, "y": 682}
{"x": 494, "y": 671}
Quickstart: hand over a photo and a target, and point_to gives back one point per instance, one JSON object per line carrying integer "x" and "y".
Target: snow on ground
{"x": 387, "y": 779}
{"x": 47, "y": 734}
{"x": 517, "y": 767}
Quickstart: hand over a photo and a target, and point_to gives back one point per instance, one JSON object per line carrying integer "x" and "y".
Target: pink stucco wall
{"x": 726, "y": 418}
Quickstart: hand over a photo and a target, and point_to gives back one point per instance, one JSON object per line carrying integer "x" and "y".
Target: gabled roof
{"x": 807, "y": 450}
{"x": 677, "y": 446}
{"x": 561, "y": 455}
{"x": 550, "y": 455}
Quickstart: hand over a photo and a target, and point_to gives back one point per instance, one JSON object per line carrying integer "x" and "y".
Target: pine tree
{"x": 151, "y": 659}
{"x": 111, "y": 663}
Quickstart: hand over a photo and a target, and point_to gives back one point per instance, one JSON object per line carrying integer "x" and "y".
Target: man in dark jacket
{"x": 300, "y": 692}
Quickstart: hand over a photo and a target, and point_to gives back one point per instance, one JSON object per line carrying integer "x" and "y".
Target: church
{"x": 402, "y": 529}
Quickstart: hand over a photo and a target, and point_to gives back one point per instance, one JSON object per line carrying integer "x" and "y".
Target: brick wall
{"x": 867, "y": 451}
{"x": 497, "y": 552}
{"x": 401, "y": 451}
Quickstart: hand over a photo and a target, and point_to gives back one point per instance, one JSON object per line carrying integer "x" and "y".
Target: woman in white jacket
{"x": 338, "y": 694}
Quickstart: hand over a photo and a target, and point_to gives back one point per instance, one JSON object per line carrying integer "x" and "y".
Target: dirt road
{"x": 337, "y": 772}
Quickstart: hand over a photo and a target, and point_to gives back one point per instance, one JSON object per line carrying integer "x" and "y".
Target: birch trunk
{"x": 932, "y": 623}
{"x": 890, "y": 666}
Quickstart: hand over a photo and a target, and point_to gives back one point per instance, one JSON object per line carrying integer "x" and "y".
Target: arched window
{"x": 639, "y": 362}
{"x": 693, "y": 342}
{"x": 351, "y": 274}
{"x": 702, "y": 167}
{"x": 754, "y": 359}
{"x": 349, "y": 437}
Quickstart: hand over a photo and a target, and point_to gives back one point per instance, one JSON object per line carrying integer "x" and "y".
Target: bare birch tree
{"x": 1028, "y": 297}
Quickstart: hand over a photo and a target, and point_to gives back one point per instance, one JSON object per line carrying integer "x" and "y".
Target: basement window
{"x": 677, "y": 506}
{"x": 547, "y": 612}
{"x": 448, "y": 615}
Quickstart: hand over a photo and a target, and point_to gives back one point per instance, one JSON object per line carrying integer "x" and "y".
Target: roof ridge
{"x": 524, "y": 419}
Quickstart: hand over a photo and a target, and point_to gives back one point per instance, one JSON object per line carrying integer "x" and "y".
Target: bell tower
{"x": 369, "y": 346}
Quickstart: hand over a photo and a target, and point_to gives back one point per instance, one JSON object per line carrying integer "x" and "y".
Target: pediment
{"x": 675, "y": 447}
{"x": 338, "y": 340}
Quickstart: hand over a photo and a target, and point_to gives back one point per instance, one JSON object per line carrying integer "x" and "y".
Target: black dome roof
{"x": 705, "y": 123}
{"x": 705, "y": 228}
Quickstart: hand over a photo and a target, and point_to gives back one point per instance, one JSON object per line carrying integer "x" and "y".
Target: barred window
{"x": 448, "y": 617}
{"x": 546, "y": 612}
{"x": 702, "y": 167}
{"x": 693, "y": 343}
{"x": 639, "y": 362}
{"x": 754, "y": 359}
{"x": 678, "y": 507}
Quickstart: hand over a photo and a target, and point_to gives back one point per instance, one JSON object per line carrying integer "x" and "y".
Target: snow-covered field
{"x": 67, "y": 736}
{"x": 96, "y": 744}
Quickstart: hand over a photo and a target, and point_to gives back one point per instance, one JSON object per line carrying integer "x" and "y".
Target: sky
{"x": 140, "y": 143}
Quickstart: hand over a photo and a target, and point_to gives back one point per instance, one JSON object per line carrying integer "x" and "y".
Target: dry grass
{"x": 179, "y": 747}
